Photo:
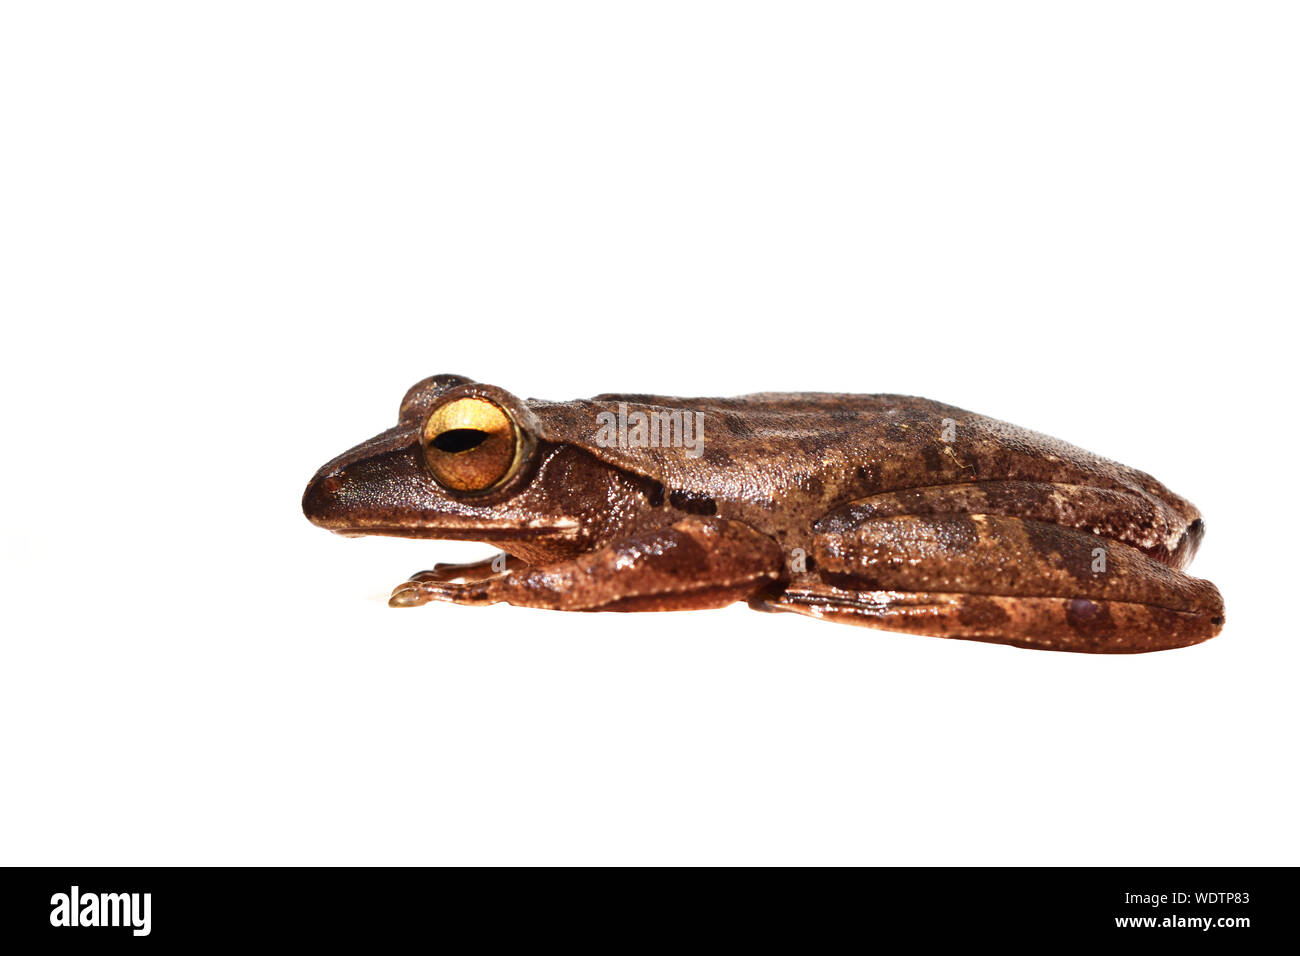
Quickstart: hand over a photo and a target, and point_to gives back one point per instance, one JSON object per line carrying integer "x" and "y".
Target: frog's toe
{"x": 433, "y": 574}
{"x": 1188, "y": 544}
{"x": 408, "y": 594}
{"x": 443, "y": 572}
{"x": 415, "y": 593}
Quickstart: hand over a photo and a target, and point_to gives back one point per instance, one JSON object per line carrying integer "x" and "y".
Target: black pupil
{"x": 459, "y": 439}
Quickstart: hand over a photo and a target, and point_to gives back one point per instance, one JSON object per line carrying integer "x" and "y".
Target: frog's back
{"x": 764, "y": 447}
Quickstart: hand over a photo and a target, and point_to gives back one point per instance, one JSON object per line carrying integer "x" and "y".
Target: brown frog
{"x": 881, "y": 510}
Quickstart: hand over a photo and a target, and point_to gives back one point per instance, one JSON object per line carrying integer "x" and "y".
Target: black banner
{"x": 139, "y": 907}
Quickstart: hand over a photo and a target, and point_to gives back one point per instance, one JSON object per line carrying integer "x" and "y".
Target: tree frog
{"x": 886, "y": 511}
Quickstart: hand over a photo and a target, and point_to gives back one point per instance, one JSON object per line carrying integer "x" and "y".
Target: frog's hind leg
{"x": 1003, "y": 580}
{"x": 1162, "y": 526}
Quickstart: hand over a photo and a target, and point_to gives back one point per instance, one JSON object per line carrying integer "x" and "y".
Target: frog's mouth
{"x": 382, "y": 499}
{"x": 383, "y": 488}
{"x": 484, "y": 533}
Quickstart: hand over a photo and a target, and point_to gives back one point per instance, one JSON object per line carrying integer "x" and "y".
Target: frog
{"x": 886, "y": 511}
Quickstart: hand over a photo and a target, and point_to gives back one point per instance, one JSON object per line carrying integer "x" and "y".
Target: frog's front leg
{"x": 1004, "y": 580}
{"x": 693, "y": 564}
{"x": 407, "y": 594}
{"x": 469, "y": 570}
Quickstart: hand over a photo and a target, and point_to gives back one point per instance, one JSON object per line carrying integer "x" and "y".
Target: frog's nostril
{"x": 320, "y": 500}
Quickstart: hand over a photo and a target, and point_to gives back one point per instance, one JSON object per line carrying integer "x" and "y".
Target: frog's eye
{"x": 471, "y": 444}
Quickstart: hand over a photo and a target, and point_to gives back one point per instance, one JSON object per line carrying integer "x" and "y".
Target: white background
{"x": 233, "y": 234}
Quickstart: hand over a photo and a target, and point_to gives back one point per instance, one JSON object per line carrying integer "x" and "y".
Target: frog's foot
{"x": 410, "y": 594}
{"x": 697, "y": 563}
{"x": 1054, "y": 624}
{"x": 471, "y": 570}
{"x": 416, "y": 593}
{"x": 1006, "y": 581}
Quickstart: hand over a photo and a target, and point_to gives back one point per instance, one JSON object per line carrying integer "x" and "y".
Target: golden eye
{"x": 471, "y": 444}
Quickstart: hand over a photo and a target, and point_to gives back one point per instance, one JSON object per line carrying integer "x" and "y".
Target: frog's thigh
{"x": 1005, "y": 580}
{"x": 696, "y": 563}
{"x": 1167, "y": 532}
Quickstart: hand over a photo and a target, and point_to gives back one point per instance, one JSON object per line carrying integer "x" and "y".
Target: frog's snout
{"x": 365, "y": 488}
{"x": 320, "y": 502}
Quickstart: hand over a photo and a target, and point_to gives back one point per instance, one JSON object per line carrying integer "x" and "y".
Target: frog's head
{"x": 464, "y": 461}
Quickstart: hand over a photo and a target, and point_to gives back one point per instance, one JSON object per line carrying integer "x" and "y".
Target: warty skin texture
{"x": 880, "y": 510}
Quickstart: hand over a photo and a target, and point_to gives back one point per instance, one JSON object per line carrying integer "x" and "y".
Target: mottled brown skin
{"x": 881, "y": 510}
